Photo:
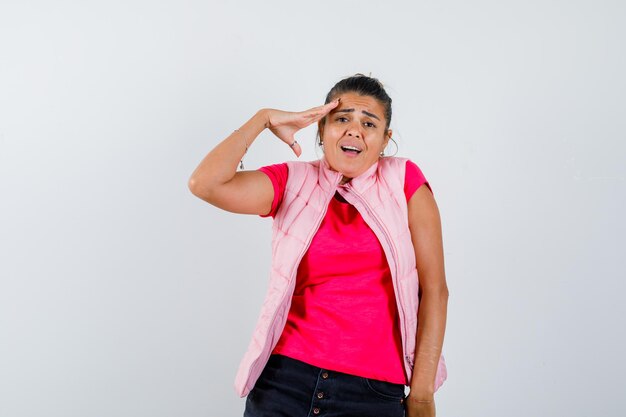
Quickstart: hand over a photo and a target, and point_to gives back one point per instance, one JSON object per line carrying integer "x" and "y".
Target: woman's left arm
{"x": 425, "y": 226}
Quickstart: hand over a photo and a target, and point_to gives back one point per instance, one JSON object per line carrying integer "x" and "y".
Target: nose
{"x": 353, "y": 131}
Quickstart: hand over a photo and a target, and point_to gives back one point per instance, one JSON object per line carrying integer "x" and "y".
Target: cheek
{"x": 330, "y": 127}
{"x": 331, "y": 134}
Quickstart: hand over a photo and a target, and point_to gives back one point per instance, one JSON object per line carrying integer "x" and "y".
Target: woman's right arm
{"x": 217, "y": 181}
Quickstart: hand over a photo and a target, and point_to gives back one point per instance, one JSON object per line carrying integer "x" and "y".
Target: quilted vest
{"x": 378, "y": 195}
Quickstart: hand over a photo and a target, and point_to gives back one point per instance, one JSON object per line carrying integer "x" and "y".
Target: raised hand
{"x": 285, "y": 124}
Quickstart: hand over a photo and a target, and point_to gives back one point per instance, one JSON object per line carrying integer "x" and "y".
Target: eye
{"x": 370, "y": 124}
{"x": 341, "y": 119}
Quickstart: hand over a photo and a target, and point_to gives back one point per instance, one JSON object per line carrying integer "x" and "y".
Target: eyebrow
{"x": 372, "y": 115}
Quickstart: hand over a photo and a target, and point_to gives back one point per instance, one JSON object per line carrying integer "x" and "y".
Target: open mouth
{"x": 353, "y": 150}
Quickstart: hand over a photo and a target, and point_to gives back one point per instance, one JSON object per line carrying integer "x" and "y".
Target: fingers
{"x": 311, "y": 116}
{"x": 330, "y": 105}
{"x": 295, "y": 147}
{"x": 317, "y": 113}
{"x": 324, "y": 109}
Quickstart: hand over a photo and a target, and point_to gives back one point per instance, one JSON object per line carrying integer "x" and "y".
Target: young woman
{"x": 357, "y": 263}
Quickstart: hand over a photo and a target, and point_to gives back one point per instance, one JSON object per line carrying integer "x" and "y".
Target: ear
{"x": 387, "y": 137}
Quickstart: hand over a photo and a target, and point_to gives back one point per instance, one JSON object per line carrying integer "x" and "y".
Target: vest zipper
{"x": 289, "y": 293}
{"x": 401, "y": 312}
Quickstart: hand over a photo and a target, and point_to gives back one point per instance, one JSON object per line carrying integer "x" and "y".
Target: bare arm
{"x": 217, "y": 181}
{"x": 425, "y": 226}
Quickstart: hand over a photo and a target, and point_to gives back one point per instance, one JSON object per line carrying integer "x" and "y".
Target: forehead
{"x": 358, "y": 103}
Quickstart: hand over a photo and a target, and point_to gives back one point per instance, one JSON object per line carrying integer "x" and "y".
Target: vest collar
{"x": 331, "y": 179}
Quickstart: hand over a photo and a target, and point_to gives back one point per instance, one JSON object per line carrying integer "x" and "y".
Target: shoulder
{"x": 275, "y": 169}
{"x": 392, "y": 163}
{"x": 414, "y": 179}
{"x": 300, "y": 171}
{"x": 278, "y": 174}
{"x": 407, "y": 171}
{"x": 413, "y": 170}
{"x": 296, "y": 166}
{"x": 283, "y": 176}
{"x": 400, "y": 164}
{"x": 403, "y": 166}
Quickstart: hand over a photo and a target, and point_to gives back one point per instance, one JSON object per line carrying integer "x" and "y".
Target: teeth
{"x": 352, "y": 148}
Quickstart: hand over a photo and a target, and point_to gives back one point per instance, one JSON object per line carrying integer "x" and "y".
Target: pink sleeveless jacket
{"x": 378, "y": 195}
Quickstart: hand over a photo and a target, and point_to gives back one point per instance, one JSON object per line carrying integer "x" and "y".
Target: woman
{"x": 338, "y": 334}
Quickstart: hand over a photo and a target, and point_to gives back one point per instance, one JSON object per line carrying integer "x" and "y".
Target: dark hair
{"x": 365, "y": 86}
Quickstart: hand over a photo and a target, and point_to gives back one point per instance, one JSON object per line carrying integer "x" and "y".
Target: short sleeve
{"x": 413, "y": 179}
{"x": 278, "y": 174}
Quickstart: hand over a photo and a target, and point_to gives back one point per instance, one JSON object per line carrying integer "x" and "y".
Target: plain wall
{"x": 122, "y": 294}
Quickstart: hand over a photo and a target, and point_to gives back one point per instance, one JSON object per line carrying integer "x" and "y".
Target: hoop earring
{"x": 397, "y": 148}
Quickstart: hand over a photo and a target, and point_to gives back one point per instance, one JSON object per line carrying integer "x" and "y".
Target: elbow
{"x": 445, "y": 295}
{"x": 440, "y": 296}
{"x": 439, "y": 292}
{"x": 442, "y": 292}
{"x": 192, "y": 184}
{"x": 199, "y": 189}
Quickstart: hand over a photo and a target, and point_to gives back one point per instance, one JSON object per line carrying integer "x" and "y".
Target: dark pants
{"x": 291, "y": 388}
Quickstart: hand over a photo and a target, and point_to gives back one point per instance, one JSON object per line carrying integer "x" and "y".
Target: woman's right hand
{"x": 285, "y": 124}
{"x": 216, "y": 179}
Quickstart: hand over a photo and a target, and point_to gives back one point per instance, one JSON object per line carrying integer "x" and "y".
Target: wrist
{"x": 263, "y": 116}
{"x": 421, "y": 395}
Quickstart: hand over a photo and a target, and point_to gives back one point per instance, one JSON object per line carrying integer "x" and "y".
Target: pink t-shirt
{"x": 343, "y": 315}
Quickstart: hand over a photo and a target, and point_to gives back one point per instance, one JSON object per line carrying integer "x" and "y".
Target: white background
{"x": 123, "y": 295}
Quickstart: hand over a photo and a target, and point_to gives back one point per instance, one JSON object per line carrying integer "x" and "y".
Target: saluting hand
{"x": 285, "y": 124}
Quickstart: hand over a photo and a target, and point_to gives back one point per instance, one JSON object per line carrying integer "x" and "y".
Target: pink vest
{"x": 378, "y": 195}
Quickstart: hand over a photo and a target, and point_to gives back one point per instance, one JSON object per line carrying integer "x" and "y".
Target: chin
{"x": 351, "y": 174}
{"x": 349, "y": 168}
